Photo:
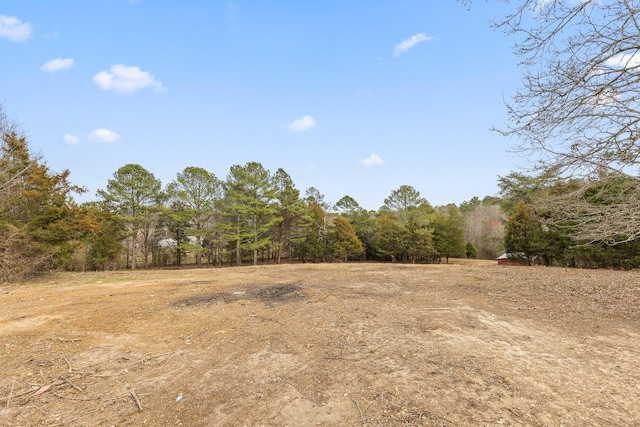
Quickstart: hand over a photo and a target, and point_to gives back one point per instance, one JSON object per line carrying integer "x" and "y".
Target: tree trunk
{"x": 198, "y": 253}
{"x": 133, "y": 253}
{"x": 255, "y": 241}
{"x": 178, "y": 256}
{"x": 238, "y": 258}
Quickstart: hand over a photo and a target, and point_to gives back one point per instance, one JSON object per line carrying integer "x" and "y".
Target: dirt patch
{"x": 270, "y": 295}
{"x": 336, "y": 344}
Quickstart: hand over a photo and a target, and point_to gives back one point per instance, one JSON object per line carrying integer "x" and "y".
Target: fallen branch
{"x": 11, "y": 392}
{"x": 103, "y": 375}
{"x": 43, "y": 389}
{"x": 75, "y": 398}
{"x": 514, "y": 412}
{"x": 18, "y": 395}
{"x": 149, "y": 357}
{"x": 72, "y": 384}
{"x": 362, "y": 420}
{"x": 73, "y": 340}
{"x": 68, "y": 364}
{"x": 135, "y": 398}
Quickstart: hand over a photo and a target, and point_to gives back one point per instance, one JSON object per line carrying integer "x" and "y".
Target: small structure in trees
{"x": 513, "y": 259}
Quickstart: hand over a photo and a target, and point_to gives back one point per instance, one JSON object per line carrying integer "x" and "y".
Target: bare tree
{"x": 13, "y": 164}
{"x": 484, "y": 228}
{"x": 577, "y": 113}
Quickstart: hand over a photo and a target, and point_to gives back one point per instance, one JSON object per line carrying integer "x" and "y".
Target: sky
{"x": 351, "y": 97}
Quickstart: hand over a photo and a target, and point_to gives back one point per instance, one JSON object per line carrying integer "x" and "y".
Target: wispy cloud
{"x": 71, "y": 139}
{"x": 14, "y": 29}
{"x": 628, "y": 60}
{"x": 103, "y": 135}
{"x": 124, "y": 79}
{"x": 57, "y": 65}
{"x": 372, "y": 160}
{"x": 302, "y": 124}
{"x": 407, "y": 44}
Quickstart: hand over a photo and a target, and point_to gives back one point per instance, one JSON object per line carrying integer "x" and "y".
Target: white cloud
{"x": 628, "y": 60}
{"x": 103, "y": 135}
{"x": 125, "y": 79}
{"x": 372, "y": 160}
{"x": 407, "y": 44}
{"x": 302, "y": 124}
{"x": 14, "y": 29}
{"x": 57, "y": 65}
{"x": 71, "y": 139}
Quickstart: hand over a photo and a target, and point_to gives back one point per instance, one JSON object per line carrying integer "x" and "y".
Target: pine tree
{"x": 523, "y": 233}
{"x": 196, "y": 194}
{"x": 249, "y": 208}
{"x": 133, "y": 194}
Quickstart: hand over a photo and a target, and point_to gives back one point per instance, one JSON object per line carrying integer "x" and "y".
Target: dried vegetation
{"x": 334, "y": 344}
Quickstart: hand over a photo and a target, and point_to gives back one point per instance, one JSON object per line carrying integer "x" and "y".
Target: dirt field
{"x": 330, "y": 344}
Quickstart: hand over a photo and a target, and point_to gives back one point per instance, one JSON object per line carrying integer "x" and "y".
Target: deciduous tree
{"x": 577, "y": 112}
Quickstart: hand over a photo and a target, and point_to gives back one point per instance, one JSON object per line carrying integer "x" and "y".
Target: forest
{"x": 256, "y": 216}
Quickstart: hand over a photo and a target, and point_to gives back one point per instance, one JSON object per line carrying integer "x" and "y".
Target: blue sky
{"x": 351, "y": 97}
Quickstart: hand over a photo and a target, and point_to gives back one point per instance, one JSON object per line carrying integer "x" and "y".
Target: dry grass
{"x": 469, "y": 343}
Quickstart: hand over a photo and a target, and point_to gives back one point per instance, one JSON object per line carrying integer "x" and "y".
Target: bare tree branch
{"x": 577, "y": 113}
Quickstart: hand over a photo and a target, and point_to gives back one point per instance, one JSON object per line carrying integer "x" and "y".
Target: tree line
{"x": 560, "y": 221}
{"x": 255, "y": 216}
{"x": 251, "y": 216}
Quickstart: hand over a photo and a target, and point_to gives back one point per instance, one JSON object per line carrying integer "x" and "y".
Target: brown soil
{"x": 468, "y": 343}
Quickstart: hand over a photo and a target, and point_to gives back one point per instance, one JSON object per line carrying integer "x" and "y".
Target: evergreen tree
{"x": 133, "y": 194}
{"x": 403, "y": 201}
{"x": 196, "y": 193}
{"x": 523, "y": 233}
{"x": 344, "y": 242}
{"x": 40, "y": 225}
{"x": 404, "y": 226}
{"x": 448, "y": 233}
{"x": 292, "y": 211}
{"x": 364, "y": 225}
{"x": 471, "y": 252}
{"x": 391, "y": 236}
{"x": 104, "y": 243}
{"x": 314, "y": 242}
{"x": 347, "y": 206}
{"x": 250, "y": 208}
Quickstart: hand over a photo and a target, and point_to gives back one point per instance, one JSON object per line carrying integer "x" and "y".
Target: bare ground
{"x": 469, "y": 343}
